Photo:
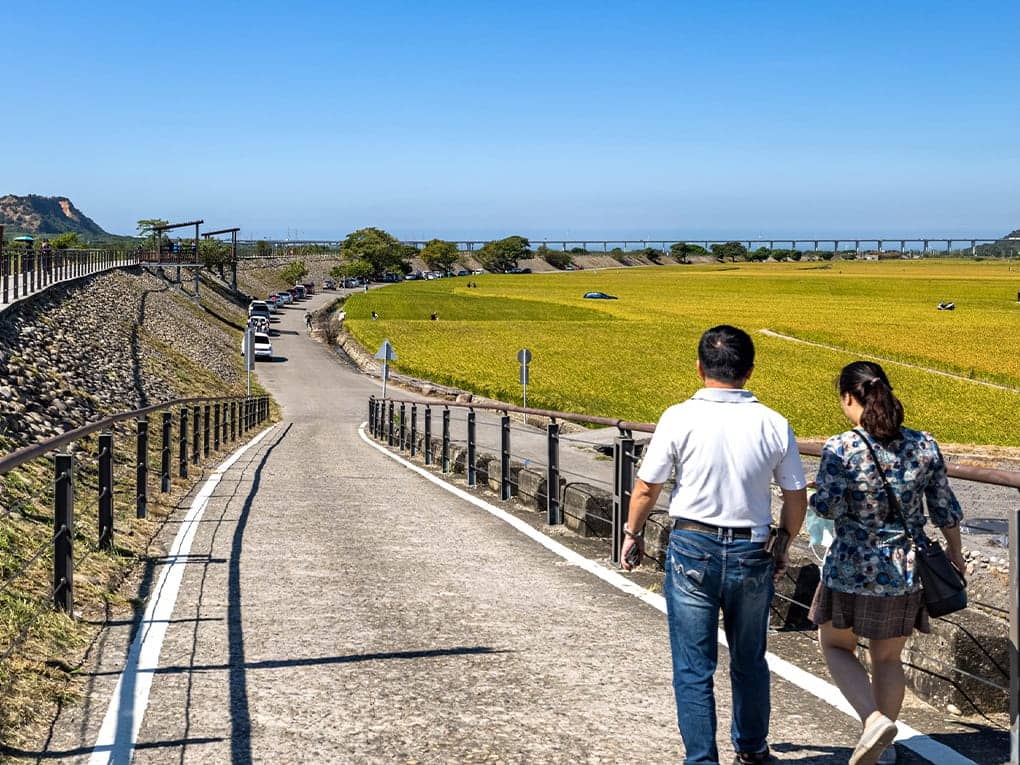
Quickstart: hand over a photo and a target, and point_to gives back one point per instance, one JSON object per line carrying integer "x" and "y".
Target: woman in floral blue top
{"x": 868, "y": 588}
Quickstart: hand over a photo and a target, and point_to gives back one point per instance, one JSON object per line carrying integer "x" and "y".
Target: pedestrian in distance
{"x": 308, "y": 320}
{"x": 723, "y": 447}
{"x": 374, "y": 316}
{"x": 434, "y": 316}
{"x": 868, "y": 588}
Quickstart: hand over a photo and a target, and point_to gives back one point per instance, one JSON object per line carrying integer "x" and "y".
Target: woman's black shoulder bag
{"x": 945, "y": 589}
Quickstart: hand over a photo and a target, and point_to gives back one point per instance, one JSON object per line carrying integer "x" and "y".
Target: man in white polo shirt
{"x": 724, "y": 447}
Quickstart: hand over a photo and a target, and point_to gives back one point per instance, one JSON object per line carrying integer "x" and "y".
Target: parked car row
{"x": 260, "y": 315}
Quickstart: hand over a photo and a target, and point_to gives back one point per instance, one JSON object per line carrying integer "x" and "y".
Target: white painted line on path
{"x": 909, "y": 737}
{"x": 119, "y": 732}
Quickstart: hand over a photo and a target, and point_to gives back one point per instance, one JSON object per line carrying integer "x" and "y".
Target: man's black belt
{"x": 685, "y": 524}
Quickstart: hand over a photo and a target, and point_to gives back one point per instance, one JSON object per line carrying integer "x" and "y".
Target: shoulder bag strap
{"x": 894, "y": 503}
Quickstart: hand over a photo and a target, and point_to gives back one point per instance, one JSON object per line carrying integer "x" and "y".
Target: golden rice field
{"x": 634, "y": 356}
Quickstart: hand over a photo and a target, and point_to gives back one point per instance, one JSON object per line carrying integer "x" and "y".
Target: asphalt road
{"x": 337, "y": 608}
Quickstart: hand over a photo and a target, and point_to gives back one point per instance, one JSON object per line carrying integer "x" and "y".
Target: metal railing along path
{"x": 226, "y": 418}
{"x": 25, "y": 272}
{"x": 395, "y": 420}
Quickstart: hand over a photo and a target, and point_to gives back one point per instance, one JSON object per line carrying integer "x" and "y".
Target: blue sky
{"x": 551, "y": 119}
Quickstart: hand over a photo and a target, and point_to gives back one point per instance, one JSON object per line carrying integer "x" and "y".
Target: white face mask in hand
{"x": 821, "y": 533}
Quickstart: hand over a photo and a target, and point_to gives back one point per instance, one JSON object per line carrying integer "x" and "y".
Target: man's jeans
{"x": 706, "y": 573}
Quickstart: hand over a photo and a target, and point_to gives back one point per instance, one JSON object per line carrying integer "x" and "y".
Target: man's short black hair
{"x": 726, "y": 354}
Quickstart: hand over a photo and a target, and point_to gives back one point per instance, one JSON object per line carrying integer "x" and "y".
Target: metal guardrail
{"x": 388, "y": 420}
{"x": 223, "y": 420}
{"x": 23, "y": 272}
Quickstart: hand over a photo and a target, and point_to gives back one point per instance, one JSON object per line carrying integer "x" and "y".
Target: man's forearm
{"x": 791, "y": 517}
{"x": 642, "y": 500}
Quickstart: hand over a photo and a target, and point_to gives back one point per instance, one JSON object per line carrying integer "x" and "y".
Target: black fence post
{"x": 195, "y": 434}
{"x": 182, "y": 444}
{"x": 403, "y": 426}
{"x": 216, "y": 427}
{"x": 446, "y": 439}
{"x": 414, "y": 429}
{"x": 142, "y": 468}
{"x": 63, "y": 533}
{"x": 1014, "y": 637}
{"x": 623, "y": 483}
{"x": 371, "y": 416}
{"x": 554, "y": 511}
{"x": 206, "y": 414}
{"x": 224, "y": 411}
{"x": 164, "y": 463}
{"x": 504, "y": 457}
{"x": 472, "y": 472}
{"x": 233, "y": 420}
{"x": 106, "y": 491}
{"x": 428, "y": 434}
{"x": 390, "y": 428}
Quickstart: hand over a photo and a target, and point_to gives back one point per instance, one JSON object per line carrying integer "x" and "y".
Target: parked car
{"x": 285, "y": 297}
{"x": 329, "y": 284}
{"x": 309, "y": 288}
{"x": 463, "y": 272}
{"x": 293, "y": 295}
{"x": 599, "y": 296}
{"x": 259, "y": 308}
{"x": 302, "y": 293}
{"x": 261, "y": 347}
{"x": 259, "y": 324}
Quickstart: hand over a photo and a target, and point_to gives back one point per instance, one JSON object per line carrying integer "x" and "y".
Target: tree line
{"x": 372, "y": 252}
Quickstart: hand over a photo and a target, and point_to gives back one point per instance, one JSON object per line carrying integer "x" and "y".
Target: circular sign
{"x": 524, "y": 355}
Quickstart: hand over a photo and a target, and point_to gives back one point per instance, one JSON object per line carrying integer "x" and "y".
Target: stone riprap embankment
{"x": 108, "y": 343}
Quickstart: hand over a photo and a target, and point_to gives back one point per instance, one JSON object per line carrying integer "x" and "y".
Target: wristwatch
{"x": 628, "y": 533}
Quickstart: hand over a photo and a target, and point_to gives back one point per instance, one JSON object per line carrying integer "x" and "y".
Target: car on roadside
{"x": 309, "y": 289}
{"x": 259, "y": 308}
{"x": 285, "y": 298}
{"x": 259, "y": 324}
{"x": 261, "y": 346}
{"x": 301, "y": 292}
{"x": 329, "y": 284}
{"x": 463, "y": 272}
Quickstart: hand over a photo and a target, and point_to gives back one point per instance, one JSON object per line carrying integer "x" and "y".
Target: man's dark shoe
{"x": 764, "y": 757}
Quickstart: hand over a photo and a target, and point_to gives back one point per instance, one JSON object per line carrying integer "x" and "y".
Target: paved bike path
{"x": 336, "y": 608}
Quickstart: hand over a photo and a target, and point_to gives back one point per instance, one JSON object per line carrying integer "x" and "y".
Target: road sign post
{"x": 249, "y": 353}
{"x": 386, "y": 354}
{"x": 524, "y": 357}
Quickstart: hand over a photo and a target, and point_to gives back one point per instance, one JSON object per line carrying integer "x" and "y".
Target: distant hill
{"x": 38, "y": 215}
